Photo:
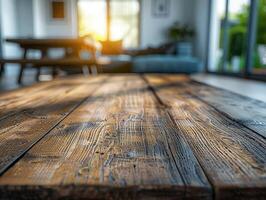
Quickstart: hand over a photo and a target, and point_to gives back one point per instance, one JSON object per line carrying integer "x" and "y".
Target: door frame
{"x": 1, "y": 39}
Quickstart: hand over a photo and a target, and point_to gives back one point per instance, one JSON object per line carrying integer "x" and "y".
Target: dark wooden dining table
{"x": 44, "y": 44}
{"x": 71, "y": 47}
{"x": 131, "y": 137}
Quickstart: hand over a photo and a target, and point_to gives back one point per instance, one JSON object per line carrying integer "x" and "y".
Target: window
{"x": 237, "y": 29}
{"x": 230, "y": 24}
{"x": 110, "y": 20}
{"x": 92, "y": 18}
{"x": 259, "y": 62}
{"x": 238, "y": 42}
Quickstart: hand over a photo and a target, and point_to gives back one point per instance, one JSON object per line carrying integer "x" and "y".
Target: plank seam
{"x": 39, "y": 139}
{"x": 151, "y": 88}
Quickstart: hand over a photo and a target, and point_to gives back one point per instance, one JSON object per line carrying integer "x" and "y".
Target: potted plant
{"x": 182, "y": 34}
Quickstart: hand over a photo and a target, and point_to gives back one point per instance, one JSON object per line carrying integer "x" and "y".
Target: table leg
{"x": 2, "y": 69}
{"x": 20, "y": 74}
{"x": 43, "y": 55}
{"x": 22, "y": 67}
{"x": 54, "y": 72}
{"x": 38, "y": 74}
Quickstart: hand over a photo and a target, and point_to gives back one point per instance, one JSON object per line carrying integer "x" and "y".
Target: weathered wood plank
{"x": 120, "y": 143}
{"x": 244, "y": 110}
{"x": 232, "y": 156}
{"x": 28, "y": 118}
{"x": 12, "y": 102}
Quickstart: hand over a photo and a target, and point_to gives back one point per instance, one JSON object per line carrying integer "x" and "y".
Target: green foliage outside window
{"x": 238, "y": 33}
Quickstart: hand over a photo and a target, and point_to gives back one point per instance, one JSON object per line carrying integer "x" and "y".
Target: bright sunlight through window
{"x": 110, "y": 20}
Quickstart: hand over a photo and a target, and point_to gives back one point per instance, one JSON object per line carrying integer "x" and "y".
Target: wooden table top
{"x": 46, "y": 41}
{"x": 131, "y": 137}
{"x": 41, "y": 43}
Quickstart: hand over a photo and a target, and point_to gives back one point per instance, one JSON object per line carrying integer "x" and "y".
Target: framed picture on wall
{"x": 58, "y": 10}
{"x": 160, "y": 8}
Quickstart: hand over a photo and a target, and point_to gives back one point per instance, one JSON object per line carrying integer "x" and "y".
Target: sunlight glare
{"x": 92, "y": 19}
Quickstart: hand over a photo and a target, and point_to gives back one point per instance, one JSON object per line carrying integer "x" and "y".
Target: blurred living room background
{"x": 224, "y": 37}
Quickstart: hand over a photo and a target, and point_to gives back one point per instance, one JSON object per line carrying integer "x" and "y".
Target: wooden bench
{"x": 54, "y": 63}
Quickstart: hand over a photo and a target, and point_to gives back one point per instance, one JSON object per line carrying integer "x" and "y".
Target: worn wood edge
{"x": 83, "y": 191}
{"x": 240, "y": 193}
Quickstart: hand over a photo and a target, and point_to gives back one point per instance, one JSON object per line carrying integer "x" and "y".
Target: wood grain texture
{"x": 26, "y": 118}
{"x": 119, "y": 144}
{"x": 19, "y": 99}
{"x": 232, "y": 156}
{"x": 249, "y": 112}
{"x": 128, "y": 137}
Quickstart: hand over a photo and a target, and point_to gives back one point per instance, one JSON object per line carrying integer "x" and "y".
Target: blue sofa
{"x": 178, "y": 61}
{"x": 166, "y": 64}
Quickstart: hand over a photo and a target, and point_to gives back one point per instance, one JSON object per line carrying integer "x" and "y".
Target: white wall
{"x": 154, "y": 29}
{"x": 38, "y": 18}
{"x": 17, "y": 21}
{"x": 46, "y": 27}
{"x": 9, "y": 26}
{"x": 24, "y": 19}
{"x": 201, "y": 27}
{"x": 9, "y": 29}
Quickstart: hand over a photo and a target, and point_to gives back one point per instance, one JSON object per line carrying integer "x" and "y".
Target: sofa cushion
{"x": 166, "y": 64}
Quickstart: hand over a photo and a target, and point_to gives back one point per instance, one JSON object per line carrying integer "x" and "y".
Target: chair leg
{"x": 20, "y": 74}
{"x": 86, "y": 70}
{"x": 54, "y": 72}
{"x": 37, "y": 78}
{"x": 95, "y": 68}
{"x": 1, "y": 69}
{"x": 22, "y": 67}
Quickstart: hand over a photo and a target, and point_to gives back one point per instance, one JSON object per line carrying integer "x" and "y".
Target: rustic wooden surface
{"x": 131, "y": 137}
{"x": 248, "y": 112}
